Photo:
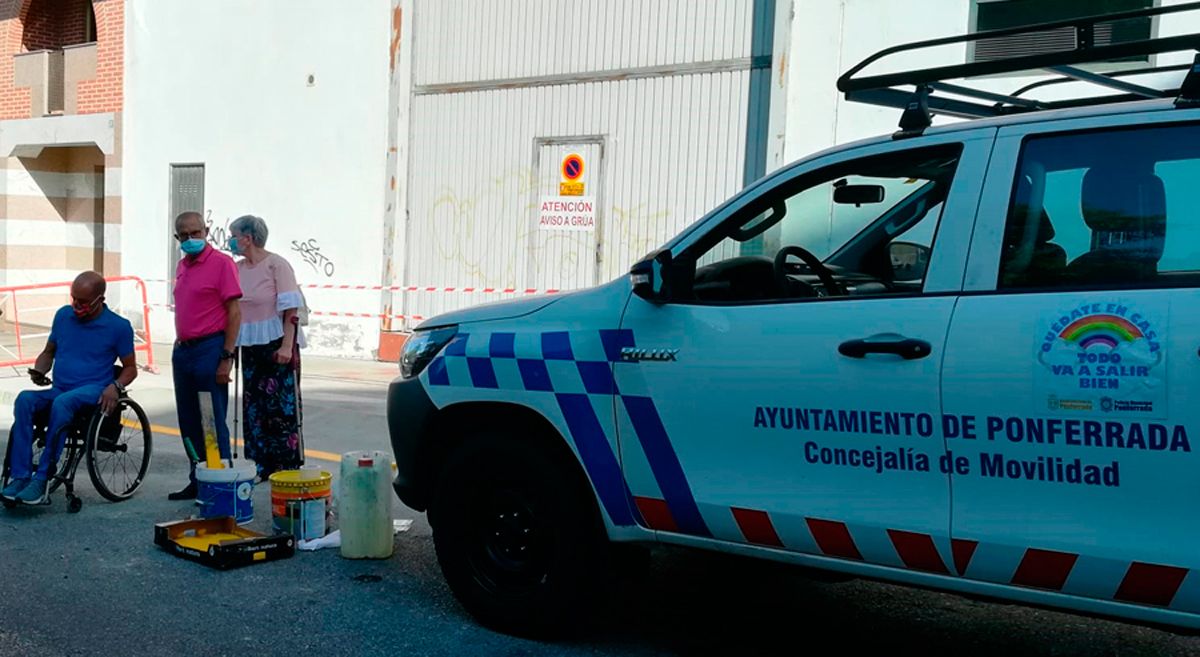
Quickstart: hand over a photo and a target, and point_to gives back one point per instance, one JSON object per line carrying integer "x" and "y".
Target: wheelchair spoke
{"x": 100, "y": 465}
{"x": 131, "y": 435}
{"x": 125, "y": 471}
{"x": 115, "y": 459}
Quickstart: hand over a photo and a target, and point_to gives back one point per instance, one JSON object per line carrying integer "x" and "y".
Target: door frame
{"x": 600, "y": 140}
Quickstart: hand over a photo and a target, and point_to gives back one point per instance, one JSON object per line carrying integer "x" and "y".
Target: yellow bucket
{"x": 301, "y": 502}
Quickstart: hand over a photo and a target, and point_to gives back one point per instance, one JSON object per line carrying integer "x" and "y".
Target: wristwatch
{"x": 120, "y": 388}
{"x": 227, "y": 355}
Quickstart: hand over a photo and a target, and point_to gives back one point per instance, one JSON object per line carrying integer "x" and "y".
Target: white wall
{"x": 537, "y": 38}
{"x": 828, "y": 37}
{"x": 673, "y": 122}
{"x": 224, "y": 82}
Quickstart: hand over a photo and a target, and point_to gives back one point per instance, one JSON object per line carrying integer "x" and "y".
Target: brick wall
{"x": 54, "y": 24}
{"x": 107, "y": 92}
{"x": 14, "y": 103}
{"x": 35, "y": 24}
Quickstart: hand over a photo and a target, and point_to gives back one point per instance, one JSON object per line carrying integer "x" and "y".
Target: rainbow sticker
{"x": 1108, "y": 330}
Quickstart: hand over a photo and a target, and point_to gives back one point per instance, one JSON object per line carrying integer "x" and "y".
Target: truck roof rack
{"x": 913, "y": 91}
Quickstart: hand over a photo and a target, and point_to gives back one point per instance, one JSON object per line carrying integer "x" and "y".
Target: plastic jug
{"x": 365, "y": 505}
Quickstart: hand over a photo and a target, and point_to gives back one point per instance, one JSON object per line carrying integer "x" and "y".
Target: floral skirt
{"x": 271, "y": 408}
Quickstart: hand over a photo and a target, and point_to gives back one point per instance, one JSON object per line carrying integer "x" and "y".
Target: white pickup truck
{"x": 959, "y": 357}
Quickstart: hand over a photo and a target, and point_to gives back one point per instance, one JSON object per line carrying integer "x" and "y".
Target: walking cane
{"x": 237, "y": 402}
{"x": 296, "y": 383}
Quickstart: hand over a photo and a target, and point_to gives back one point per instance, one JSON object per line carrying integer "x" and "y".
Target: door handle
{"x": 906, "y": 348}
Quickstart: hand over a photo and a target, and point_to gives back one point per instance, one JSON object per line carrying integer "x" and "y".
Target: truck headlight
{"x": 421, "y": 348}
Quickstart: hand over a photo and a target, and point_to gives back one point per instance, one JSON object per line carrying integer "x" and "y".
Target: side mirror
{"x": 909, "y": 261}
{"x": 650, "y": 277}
{"x": 858, "y": 195}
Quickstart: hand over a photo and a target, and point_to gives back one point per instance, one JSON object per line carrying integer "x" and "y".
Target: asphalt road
{"x": 95, "y": 584}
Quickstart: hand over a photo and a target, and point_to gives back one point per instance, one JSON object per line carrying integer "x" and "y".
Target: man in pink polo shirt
{"x": 207, "y": 321}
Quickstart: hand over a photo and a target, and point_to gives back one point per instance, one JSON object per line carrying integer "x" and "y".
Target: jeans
{"x": 194, "y": 367}
{"x": 63, "y": 405}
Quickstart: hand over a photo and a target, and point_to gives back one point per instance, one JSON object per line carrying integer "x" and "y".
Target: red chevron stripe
{"x": 656, "y": 513}
{"x": 1150, "y": 584}
{"x": 917, "y": 551}
{"x": 963, "y": 551}
{"x": 756, "y": 527}
{"x": 1044, "y": 569}
{"x": 833, "y": 538}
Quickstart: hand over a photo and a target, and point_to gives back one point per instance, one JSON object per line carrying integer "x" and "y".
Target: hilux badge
{"x": 635, "y": 355}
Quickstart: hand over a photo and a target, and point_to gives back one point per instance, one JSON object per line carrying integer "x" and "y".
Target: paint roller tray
{"x": 221, "y": 543}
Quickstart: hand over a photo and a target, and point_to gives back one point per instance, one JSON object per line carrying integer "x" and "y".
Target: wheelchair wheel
{"x": 118, "y": 450}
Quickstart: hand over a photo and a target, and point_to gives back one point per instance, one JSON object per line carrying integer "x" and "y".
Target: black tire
{"x": 74, "y": 504}
{"x": 118, "y": 451}
{"x": 518, "y": 537}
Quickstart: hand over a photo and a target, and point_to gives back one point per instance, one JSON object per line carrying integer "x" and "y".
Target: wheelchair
{"x": 116, "y": 447}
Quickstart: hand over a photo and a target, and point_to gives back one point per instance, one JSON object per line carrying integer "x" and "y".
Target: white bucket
{"x": 226, "y": 491}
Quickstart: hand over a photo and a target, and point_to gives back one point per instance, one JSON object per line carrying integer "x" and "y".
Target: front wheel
{"x": 517, "y": 536}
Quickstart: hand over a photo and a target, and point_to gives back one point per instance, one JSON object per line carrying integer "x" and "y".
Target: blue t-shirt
{"x": 85, "y": 352}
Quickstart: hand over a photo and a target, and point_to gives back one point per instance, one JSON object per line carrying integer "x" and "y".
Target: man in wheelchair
{"x": 86, "y": 338}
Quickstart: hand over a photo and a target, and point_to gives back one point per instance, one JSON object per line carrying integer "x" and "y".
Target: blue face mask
{"x": 233, "y": 246}
{"x": 192, "y": 247}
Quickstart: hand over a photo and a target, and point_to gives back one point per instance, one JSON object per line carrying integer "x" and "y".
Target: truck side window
{"x": 865, "y": 226}
{"x": 1110, "y": 209}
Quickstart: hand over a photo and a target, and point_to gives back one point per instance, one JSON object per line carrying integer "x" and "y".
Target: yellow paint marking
{"x": 314, "y": 453}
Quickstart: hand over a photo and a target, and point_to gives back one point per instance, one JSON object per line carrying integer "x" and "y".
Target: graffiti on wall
{"x": 218, "y": 236}
{"x": 639, "y": 229}
{"x": 309, "y": 249}
{"x": 461, "y": 222}
{"x": 310, "y": 252}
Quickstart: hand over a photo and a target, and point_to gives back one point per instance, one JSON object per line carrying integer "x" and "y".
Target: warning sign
{"x": 574, "y": 213}
{"x": 572, "y": 167}
{"x": 570, "y": 189}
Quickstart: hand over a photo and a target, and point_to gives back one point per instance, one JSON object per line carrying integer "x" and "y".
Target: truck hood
{"x": 493, "y": 311}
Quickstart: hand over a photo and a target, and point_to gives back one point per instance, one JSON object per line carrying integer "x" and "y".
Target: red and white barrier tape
{"x": 417, "y": 288}
{"x": 421, "y": 288}
{"x": 321, "y": 313}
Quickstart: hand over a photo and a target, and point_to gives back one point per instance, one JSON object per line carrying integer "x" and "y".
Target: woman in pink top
{"x": 270, "y": 341}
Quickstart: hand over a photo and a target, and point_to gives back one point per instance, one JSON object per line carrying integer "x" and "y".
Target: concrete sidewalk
{"x": 157, "y": 389}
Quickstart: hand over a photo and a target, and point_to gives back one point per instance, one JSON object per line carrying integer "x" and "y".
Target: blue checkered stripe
{"x": 572, "y": 366}
{"x": 548, "y": 362}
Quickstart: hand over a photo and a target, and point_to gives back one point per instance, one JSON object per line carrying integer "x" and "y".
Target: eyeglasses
{"x": 197, "y": 234}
